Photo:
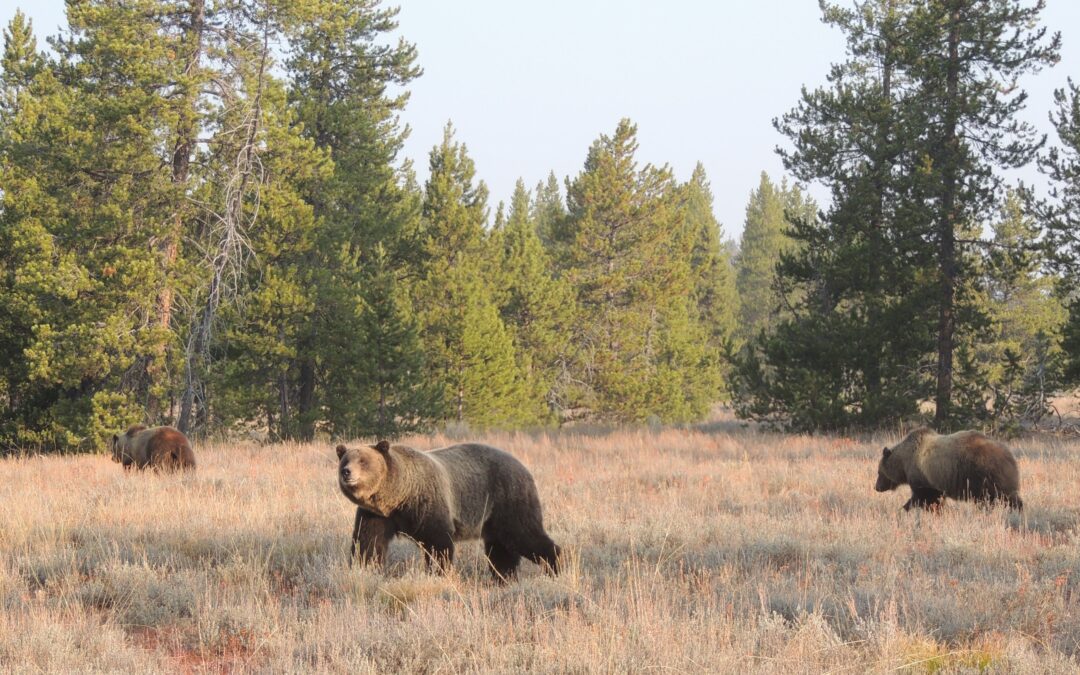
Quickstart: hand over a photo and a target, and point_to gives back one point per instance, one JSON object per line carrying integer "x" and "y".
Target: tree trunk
{"x": 283, "y": 400}
{"x": 169, "y": 247}
{"x": 306, "y": 397}
{"x": 874, "y": 282}
{"x": 193, "y": 363}
{"x": 947, "y": 263}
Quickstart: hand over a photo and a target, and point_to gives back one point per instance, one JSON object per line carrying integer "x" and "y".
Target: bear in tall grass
{"x": 162, "y": 448}
{"x": 964, "y": 465}
{"x": 444, "y": 496}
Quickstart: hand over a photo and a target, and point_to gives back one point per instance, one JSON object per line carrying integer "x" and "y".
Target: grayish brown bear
{"x": 162, "y": 448}
{"x": 445, "y": 496}
{"x": 964, "y": 465}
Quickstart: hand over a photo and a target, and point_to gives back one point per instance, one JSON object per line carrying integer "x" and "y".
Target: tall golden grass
{"x": 721, "y": 551}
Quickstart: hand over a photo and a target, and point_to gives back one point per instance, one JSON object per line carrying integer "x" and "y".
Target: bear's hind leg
{"x": 545, "y": 552}
{"x": 1012, "y": 501}
{"x": 524, "y": 537}
{"x": 504, "y": 562}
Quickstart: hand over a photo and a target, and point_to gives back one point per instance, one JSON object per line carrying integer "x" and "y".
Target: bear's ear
{"x": 382, "y": 446}
{"x": 341, "y": 451}
{"x": 885, "y": 453}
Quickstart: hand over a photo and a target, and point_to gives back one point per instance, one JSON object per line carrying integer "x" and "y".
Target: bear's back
{"x": 956, "y": 461}
{"x": 481, "y": 478}
{"x": 166, "y": 448}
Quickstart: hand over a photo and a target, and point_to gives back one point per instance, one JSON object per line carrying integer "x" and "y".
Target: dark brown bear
{"x": 964, "y": 465}
{"x": 444, "y": 496}
{"x": 162, "y": 448}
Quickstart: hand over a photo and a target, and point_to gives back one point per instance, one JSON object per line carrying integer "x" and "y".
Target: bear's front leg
{"x": 924, "y": 498}
{"x": 373, "y": 534}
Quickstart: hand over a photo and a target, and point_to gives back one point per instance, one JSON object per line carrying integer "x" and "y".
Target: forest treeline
{"x": 206, "y": 221}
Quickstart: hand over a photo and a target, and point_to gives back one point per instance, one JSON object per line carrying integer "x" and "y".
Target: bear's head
{"x": 362, "y": 471}
{"x": 121, "y": 445}
{"x": 890, "y": 471}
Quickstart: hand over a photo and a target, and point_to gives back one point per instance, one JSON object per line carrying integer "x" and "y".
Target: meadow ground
{"x": 715, "y": 550}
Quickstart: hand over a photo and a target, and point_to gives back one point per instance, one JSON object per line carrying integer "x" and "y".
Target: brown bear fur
{"x": 440, "y": 497}
{"x": 964, "y": 465}
{"x": 162, "y": 448}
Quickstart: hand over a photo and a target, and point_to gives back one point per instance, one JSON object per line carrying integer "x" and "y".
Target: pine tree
{"x": 549, "y": 211}
{"x": 276, "y": 299}
{"x": 964, "y": 61}
{"x": 391, "y": 394}
{"x": 1020, "y": 364}
{"x": 894, "y": 254}
{"x": 344, "y": 89}
{"x": 20, "y": 64}
{"x": 256, "y": 232}
{"x": 763, "y": 240}
{"x": 471, "y": 354}
{"x": 1061, "y": 215}
{"x": 77, "y": 221}
{"x": 537, "y": 309}
{"x": 637, "y": 351}
{"x": 715, "y": 295}
{"x": 847, "y": 350}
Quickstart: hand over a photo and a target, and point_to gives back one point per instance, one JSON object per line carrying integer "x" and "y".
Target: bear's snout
{"x": 346, "y": 474}
{"x": 883, "y": 485}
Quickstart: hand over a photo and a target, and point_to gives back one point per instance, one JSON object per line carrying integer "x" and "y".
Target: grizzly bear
{"x": 964, "y": 465}
{"x": 444, "y": 496}
{"x": 162, "y": 448}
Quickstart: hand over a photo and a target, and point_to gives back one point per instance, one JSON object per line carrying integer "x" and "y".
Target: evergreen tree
{"x": 537, "y": 309}
{"x": 1062, "y": 215}
{"x": 549, "y": 211}
{"x": 471, "y": 354}
{"x": 76, "y": 223}
{"x": 342, "y": 89}
{"x": 391, "y": 394}
{"x": 964, "y": 59}
{"x": 893, "y": 256}
{"x": 763, "y": 240}
{"x": 1017, "y": 368}
{"x": 715, "y": 295}
{"x": 276, "y": 300}
{"x": 848, "y": 350}
{"x": 20, "y": 63}
{"x": 258, "y": 231}
{"x": 637, "y": 352}
{"x": 493, "y": 255}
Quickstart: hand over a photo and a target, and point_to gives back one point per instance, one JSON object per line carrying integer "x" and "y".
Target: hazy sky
{"x": 529, "y": 86}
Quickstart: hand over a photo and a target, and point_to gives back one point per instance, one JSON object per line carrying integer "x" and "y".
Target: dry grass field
{"x": 718, "y": 550}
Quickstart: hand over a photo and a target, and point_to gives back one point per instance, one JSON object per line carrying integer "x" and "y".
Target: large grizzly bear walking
{"x": 443, "y": 496}
{"x": 964, "y": 465}
{"x": 157, "y": 448}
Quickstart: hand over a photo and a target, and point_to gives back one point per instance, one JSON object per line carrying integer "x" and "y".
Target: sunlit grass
{"x": 721, "y": 550}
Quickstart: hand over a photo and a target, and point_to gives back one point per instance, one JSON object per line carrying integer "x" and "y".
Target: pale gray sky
{"x": 529, "y": 86}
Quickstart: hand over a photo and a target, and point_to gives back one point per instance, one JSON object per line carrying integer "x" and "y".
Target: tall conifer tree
{"x": 537, "y": 309}
{"x": 1062, "y": 215}
{"x": 893, "y": 258}
{"x": 638, "y": 350}
{"x": 470, "y": 352}
{"x": 715, "y": 294}
{"x": 764, "y": 239}
{"x": 964, "y": 59}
